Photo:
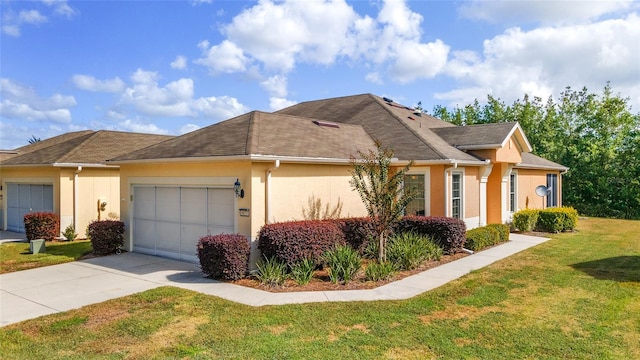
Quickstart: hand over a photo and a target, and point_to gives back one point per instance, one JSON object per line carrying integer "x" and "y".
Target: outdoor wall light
{"x": 237, "y": 189}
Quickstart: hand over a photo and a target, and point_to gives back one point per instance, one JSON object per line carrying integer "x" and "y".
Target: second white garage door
{"x": 168, "y": 221}
{"x": 25, "y": 198}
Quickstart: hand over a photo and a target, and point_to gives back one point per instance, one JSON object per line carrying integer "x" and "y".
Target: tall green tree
{"x": 595, "y": 135}
{"x": 380, "y": 187}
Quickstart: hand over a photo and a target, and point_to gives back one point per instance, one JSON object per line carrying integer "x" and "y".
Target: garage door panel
{"x": 168, "y": 236}
{"x": 36, "y": 194}
{"x": 144, "y": 234}
{"x": 144, "y": 205}
{"x": 193, "y": 206}
{"x": 25, "y": 198}
{"x": 190, "y": 235}
{"x": 168, "y": 204}
{"x": 24, "y": 193}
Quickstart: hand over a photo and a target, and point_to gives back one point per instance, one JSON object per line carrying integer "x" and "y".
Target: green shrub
{"x": 41, "y": 225}
{"x": 224, "y": 256}
{"x": 376, "y": 271}
{"x": 271, "y": 271}
{"x": 302, "y": 271}
{"x": 482, "y": 237}
{"x": 408, "y": 250}
{"x": 70, "y": 233}
{"x": 503, "y": 230}
{"x": 525, "y": 220}
{"x": 343, "y": 263}
{"x": 557, "y": 219}
{"x": 106, "y": 236}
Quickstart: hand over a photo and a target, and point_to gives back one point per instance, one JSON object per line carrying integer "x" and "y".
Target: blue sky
{"x": 170, "y": 67}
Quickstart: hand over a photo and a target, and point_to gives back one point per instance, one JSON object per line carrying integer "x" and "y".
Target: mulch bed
{"x": 321, "y": 282}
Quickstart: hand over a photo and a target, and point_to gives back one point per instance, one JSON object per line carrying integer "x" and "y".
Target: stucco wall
{"x": 528, "y": 180}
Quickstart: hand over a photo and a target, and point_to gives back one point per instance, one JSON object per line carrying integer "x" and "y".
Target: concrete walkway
{"x": 31, "y": 293}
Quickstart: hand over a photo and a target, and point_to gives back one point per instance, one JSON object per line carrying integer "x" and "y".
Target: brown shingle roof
{"x": 81, "y": 147}
{"x": 531, "y": 161}
{"x": 388, "y": 122}
{"x": 482, "y": 136}
{"x": 260, "y": 133}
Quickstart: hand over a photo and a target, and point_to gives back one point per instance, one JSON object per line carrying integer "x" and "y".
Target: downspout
{"x": 75, "y": 197}
{"x": 267, "y": 219}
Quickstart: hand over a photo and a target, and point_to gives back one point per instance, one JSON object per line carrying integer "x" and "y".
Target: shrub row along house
{"x": 257, "y": 168}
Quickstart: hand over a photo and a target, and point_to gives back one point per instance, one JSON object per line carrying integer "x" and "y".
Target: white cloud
{"x": 188, "y": 128}
{"x": 219, "y": 108}
{"x": 545, "y": 60}
{"x": 12, "y": 21}
{"x": 374, "y": 77}
{"x": 22, "y": 103}
{"x": 31, "y": 17}
{"x": 419, "y": 61}
{"x": 179, "y": 63}
{"x": 61, "y": 7}
{"x": 139, "y": 127}
{"x": 149, "y": 98}
{"x": 276, "y": 85}
{"x": 276, "y": 103}
{"x": 545, "y": 12}
{"x": 90, "y": 83}
{"x": 223, "y": 58}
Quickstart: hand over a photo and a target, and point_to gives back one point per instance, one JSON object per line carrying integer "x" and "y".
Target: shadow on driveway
{"x": 619, "y": 268}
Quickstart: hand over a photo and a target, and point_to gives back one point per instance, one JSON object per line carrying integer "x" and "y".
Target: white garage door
{"x": 25, "y": 198}
{"x": 168, "y": 221}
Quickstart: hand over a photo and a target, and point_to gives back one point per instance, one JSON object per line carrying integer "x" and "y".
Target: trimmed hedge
{"x": 41, "y": 225}
{"x": 106, "y": 236}
{"x": 503, "y": 230}
{"x": 291, "y": 242}
{"x": 482, "y": 237}
{"x": 525, "y": 220}
{"x": 224, "y": 256}
{"x": 448, "y": 233}
{"x": 549, "y": 220}
{"x": 557, "y": 219}
{"x": 358, "y": 232}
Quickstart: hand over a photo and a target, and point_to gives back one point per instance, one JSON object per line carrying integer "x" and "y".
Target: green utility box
{"x": 37, "y": 246}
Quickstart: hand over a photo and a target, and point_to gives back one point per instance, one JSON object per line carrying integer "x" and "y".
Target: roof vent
{"x": 326, "y": 124}
{"x": 387, "y": 99}
{"x": 417, "y": 113}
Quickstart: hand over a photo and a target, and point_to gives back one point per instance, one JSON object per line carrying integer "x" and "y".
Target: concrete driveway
{"x": 31, "y": 293}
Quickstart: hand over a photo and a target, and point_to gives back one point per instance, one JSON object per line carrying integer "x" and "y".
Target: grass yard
{"x": 574, "y": 297}
{"x": 15, "y": 256}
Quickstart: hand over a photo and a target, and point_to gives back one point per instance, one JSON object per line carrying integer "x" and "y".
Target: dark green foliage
{"x": 557, "y": 219}
{"x": 525, "y": 220}
{"x": 503, "y": 230}
{"x": 224, "y": 256}
{"x": 271, "y": 272}
{"x": 106, "y": 236}
{"x": 302, "y": 271}
{"x": 292, "y": 242}
{"x": 482, "y": 237}
{"x": 446, "y": 232}
{"x": 41, "y": 225}
{"x": 408, "y": 250}
{"x": 595, "y": 135}
{"x": 376, "y": 271}
{"x": 343, "y": 263}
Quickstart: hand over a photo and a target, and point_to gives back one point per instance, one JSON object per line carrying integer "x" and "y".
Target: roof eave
{"x": 541, "y": 167}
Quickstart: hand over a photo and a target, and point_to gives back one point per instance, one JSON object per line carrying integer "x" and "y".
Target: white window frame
{"x": 427, "y": 187}
{"x": 449, "y": 192}
{"x": 513, "y": 185}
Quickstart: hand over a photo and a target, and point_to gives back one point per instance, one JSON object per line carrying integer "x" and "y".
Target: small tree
{"x": 33, "y": 139}
{"x": 380, "y": 187}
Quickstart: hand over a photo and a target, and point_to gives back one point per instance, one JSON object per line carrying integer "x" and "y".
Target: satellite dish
{"x": 541, "y": 190}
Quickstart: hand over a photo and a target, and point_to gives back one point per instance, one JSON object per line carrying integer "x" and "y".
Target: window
{"x": 456, "y": 195}
{"x": 416, "y": 184}
{"x": 513, "y": 202}
{"x": 552, "y": 190}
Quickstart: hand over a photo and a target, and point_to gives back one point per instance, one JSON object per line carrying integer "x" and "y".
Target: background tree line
{"x": 595, "y": 135}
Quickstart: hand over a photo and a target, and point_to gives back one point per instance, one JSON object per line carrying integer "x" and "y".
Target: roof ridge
{"x": 77, "y": 148}
{"x": 251, "y": 144}
{"x": 422, "y": 140}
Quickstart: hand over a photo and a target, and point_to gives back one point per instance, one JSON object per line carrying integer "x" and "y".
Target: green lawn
{"x": 15, "y": 256}
{"x": 574, "y": 297}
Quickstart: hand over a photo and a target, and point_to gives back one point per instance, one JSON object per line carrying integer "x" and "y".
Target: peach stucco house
{"x": 68, "y": 175}
{"x": 178, "y": 190}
